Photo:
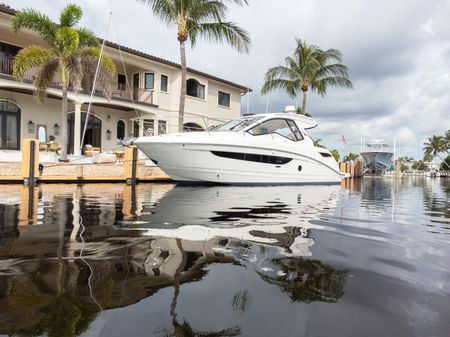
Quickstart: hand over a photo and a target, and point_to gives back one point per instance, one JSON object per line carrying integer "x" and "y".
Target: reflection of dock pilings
{"x": 28, "y": 208}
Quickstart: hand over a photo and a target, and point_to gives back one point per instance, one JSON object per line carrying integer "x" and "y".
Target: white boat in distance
{"x": 377, "y": 158}
{"x": 259, "y": 149}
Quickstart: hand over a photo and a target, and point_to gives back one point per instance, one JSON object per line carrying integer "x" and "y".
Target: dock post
{"x": 130, "y": 164}
{"x": 30, "y": 161}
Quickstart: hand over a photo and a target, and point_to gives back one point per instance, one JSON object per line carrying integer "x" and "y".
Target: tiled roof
{"x": 8, "y": 10}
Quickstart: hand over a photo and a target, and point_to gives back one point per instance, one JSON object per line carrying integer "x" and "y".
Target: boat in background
{"x": 273, "y": 148}
{"x": 377, "y": 157}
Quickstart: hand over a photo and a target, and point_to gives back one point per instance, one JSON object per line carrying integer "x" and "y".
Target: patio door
{"x": 9, "y": 126}
{"x": 136, "y": 86}
{"x": 93, "y": 135}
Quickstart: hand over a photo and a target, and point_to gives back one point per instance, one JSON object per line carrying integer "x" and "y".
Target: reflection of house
{"x": 145, "y": 98}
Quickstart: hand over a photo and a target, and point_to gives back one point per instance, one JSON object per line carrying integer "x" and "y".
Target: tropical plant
{"x": 336, "y": 155}
{"x": 420, "y": 165}
{"x": 434, "y": 146}
{"x": 447, "y": 141}
{"x": 445, "y": 165}
{"x": 317, "y": 143}
{"x": 310, "y": 67}
{"x": 71, "y": 55}
{"x": 351, "y": 157}
{"x": 199, "y": 19}
{"x": 300, "y": 112}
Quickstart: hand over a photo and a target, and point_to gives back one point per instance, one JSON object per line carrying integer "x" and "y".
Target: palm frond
{"x": 66, "y": 41}
{"x": 224, "y": 31}
{"x": 290, "y": 87}
{"x": 166, "y": 10}
{"x": 30, "y": 57}
{"x": 70, "y": 15}
{"x": 87, "y": 38}
{"x": 107, "y": 63}
{"x": 34, "y": 20}
{"x": 45, "y": 78}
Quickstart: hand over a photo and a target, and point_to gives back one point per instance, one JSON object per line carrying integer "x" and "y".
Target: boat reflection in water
{"x": 73, "y": 251}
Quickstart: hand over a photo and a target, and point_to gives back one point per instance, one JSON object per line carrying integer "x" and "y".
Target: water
{"x": 370, "y": 258}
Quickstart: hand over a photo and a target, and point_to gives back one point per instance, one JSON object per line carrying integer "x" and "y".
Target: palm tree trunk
{"x": 443, "y": 160}
{"x": 64, "y": 123}
{"x": 183, "y": 85}
{"x": 304, "y": 102}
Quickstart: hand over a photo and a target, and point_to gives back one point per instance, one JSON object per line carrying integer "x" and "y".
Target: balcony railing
{"x": 118, "y": 90}
{"x": 6, "y": 66}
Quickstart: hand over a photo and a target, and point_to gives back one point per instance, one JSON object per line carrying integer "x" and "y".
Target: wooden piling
{"x": 30, "y": 161}
{"x": 130, "y": 164}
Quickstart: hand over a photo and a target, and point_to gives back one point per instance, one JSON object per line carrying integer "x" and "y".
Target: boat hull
{"x": 377, "y": 162}
{"x": 200, "y": 163}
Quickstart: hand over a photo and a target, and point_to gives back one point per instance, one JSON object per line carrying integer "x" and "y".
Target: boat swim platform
{"x": 129, "y": 169}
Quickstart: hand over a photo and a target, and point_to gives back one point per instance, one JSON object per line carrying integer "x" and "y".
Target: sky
{"x": 397, "y": 52}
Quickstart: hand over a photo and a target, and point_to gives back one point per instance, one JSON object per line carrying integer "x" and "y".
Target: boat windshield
{"x": 237, "y": 124}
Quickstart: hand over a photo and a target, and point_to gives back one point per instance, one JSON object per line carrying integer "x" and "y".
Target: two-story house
{"x": 145, "y": 98}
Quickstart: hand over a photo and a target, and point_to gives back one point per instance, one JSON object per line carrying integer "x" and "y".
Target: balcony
{"x": 6, "y": 66}
{"x": 118, "y": 90}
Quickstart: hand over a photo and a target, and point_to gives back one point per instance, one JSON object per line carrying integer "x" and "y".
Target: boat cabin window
{"x": 237, "y": 124}
{"x": 283, "y": 127}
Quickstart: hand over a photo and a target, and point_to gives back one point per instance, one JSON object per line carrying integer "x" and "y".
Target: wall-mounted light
{"x": 56, "y": 129}
{"x": 31, "y": 127}
{"x": 109, "y": 117}
{"x": 108, "y": 134}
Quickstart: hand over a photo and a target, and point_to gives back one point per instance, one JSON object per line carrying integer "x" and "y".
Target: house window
{"x": 149, "y": 127}
{"x": 224, "y": 99}
{"x": 136, "y": 127}
{"x": 120, "y": 130}
{"x": 162, "y": 127}
{"x": 195, "y": 89}
{"x": 121, "y": 82}
{"x": 9, "y": 126}
{"x": 164, "y": 83}
{"x": 149, "y": 81}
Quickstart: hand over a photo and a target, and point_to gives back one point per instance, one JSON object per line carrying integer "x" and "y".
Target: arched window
{"x": 9, "y": 126}
{"x": 195, "y": 89}
{"x": 120, "y": 129}
{"x": 191, "y": 127}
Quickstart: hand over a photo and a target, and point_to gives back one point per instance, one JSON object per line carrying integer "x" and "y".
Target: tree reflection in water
{"x": 304, "y": 280}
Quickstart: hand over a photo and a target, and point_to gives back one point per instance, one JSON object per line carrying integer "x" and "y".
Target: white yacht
{"x": 259, "y": 149}
{"x": 377, "y": 157}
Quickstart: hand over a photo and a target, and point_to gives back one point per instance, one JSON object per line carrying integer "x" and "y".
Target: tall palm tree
{"x": 309, "y": 68}
{"x": 433, "y": 146}
{"x": 199, "y": 19}
{"x": 70, "y": 56}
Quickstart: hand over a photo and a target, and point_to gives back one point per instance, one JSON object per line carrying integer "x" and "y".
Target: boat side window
{"x": 276, "y": 125}
{"x": 237, "y": 124}
{"x": 295, "y": 129}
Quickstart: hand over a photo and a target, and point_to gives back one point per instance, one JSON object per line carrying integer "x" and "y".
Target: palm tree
{"x": 196, "y": 19}
{"x": 317, "y": 143}
{"x": 336, "y": 155}
{"x": 435, "y": 145}
{"x": 447, "y": 141}
{"x": 351, "y": 157}
{"x": 309, "y": 68}
{"x": 70, "y": 55}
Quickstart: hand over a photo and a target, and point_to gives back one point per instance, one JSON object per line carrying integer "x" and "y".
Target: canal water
{"x": 368, "y": 258}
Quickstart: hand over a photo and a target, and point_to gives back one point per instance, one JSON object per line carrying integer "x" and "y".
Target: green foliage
{"x": 202, "y": 19}
{"x": 434, "y": 145}
{"x": 317, "y": 143}
{"x": 351, "y": 157}
{"x": 420, "y": 165}
{"x": 445, "y": 165}
{"x": 310, "y": 67}
{"x": 336, "y": 155}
